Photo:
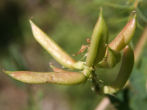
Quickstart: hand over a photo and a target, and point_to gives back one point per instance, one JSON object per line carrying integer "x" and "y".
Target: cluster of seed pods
{"x": 101, "y": 54}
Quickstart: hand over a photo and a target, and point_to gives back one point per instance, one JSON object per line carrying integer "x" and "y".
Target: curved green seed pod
{"x": 99, "y": 37}
{"x": 123, "y": 74}
{"x": 58, "y": 53}
{"x": 66, "y": 78}
{"x": 125, "y": 69}
{"x": 124, "y": 37}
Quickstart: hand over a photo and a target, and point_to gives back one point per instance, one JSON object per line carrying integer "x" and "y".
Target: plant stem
{"x": 95, "y": 82}
{"x": 140, "y": 46}
{"x": 103, "y": 104}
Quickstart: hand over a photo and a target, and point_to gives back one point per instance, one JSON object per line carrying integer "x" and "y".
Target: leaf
{"x": 138, "y": 92}
{"x": 138, "y": 86}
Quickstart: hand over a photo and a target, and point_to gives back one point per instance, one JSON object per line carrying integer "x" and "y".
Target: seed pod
{"x": 99, "y": 37}
{"x": 58, "y": 53}
{"x": 102, "y": 45}
{"x": 65, "y": 78}
{"x": 125, "y": 69}
{"x": 123, "y": 74}
{"x": 124, "y": 37}
{"x": 110, "y": 59}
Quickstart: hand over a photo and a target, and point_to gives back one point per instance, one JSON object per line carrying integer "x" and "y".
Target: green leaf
{"x": 138, "y": 86}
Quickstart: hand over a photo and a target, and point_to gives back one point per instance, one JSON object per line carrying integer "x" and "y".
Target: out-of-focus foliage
{"x": 138, "y": 89}
{"x": 69, "y": 23}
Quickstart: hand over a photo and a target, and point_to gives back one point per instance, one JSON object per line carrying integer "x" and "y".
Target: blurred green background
{"x": 69, "y": 23}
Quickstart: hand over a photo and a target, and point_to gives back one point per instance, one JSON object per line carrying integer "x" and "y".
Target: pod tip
{"x": 101, "y": 11}
{"x": 133, "y": 14}
{"x": 7, "y": 72}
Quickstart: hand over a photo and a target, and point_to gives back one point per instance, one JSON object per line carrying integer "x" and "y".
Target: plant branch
{"x": 140, "y": 46}
{"x": 103, "y": 104}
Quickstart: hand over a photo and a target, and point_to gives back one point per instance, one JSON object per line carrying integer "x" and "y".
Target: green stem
{"x": 95, "y": 82}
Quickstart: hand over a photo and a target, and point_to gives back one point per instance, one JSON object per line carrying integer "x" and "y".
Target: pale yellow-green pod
{"x": 54, "y": 49}
{"x": 65, "y": 78}
{"x": 97, "y": 45}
